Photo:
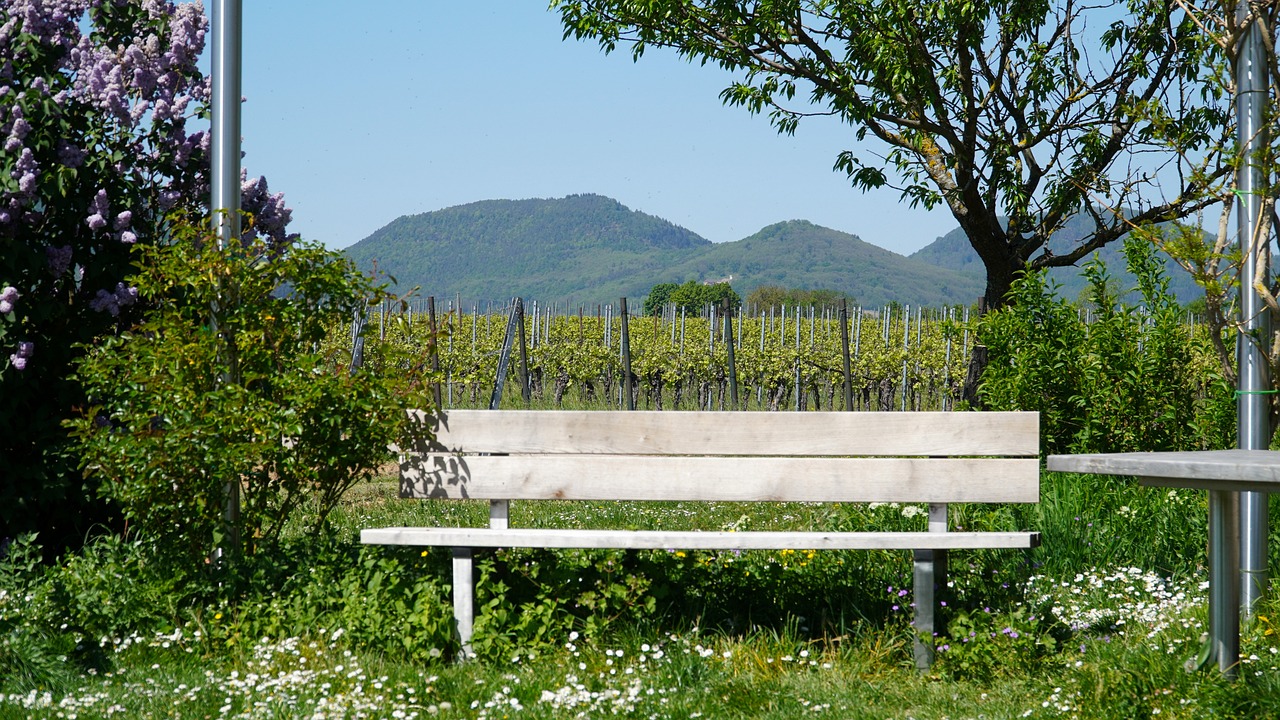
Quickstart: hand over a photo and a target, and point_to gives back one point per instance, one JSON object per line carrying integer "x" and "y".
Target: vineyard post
{"x": 812, "y": 326}
{"x": 711, "y": 329}
{"x": 844, "y": 351}
{"x": 504, "y": 356}
{"x": 799, "y": 397}
{"x": 454, "y": 310}
{"x": 435, "y": 350}
{"x": 524, "y": 353}
{"x": 533, "y": 336}
{"x": 627, "y": 383}
{"x": 357, "y": 339}
{"x": 682, "y": 318}
{"x": 946, "y": 363}
{"x": 728, "y": 345}
{"x": 906, "y": 342}
{"x": 740, "y": 316}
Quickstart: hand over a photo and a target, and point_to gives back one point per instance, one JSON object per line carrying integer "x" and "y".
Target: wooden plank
{"x": 694, "y": 540}
{"x": 737, "y": 433}
{"x": 596, "y": 477}
{"x": 1204, "y": 468}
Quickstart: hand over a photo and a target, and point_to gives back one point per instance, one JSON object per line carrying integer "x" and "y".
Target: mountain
{"x": 588, "y": 249}
{"x": 497, "y": 249}
{"x": 953, "y": 252}
{"x": 799, "y": 254}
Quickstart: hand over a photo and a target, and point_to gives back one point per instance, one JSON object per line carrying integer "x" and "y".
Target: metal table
{"x": 1223, "y": 473}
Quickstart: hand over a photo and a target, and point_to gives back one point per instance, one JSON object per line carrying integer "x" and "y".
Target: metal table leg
{"x": 1224, "y": 580}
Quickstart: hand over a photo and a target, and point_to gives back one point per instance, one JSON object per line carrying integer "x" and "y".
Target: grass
{"x": 1095, "y": 624}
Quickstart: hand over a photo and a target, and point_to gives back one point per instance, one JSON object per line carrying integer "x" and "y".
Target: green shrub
{"x": 223, "y": 389}
{"x": 32, "y": 654}
{"x": 1135, "y": 378}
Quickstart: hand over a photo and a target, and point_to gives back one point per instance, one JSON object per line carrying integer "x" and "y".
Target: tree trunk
{"x": 1001, "y": 271}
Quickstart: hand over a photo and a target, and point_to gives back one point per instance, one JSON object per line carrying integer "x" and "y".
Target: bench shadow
{"x": 428, "y": 469}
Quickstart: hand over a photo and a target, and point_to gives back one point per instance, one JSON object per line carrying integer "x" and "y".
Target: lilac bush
{"x": 102, "y": 145}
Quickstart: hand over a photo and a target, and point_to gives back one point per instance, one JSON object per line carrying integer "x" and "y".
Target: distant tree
{"x": 776, "y": 296}
{"x": 693, "y": 296}
{"x": 768, "y": 296}
{"x": 1014, "y": 115}
{"x": 659, "y": 296}
{"x": 722, "y": 295}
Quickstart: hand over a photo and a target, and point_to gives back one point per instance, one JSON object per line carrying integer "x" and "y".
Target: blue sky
{"x": 361, "y": 113}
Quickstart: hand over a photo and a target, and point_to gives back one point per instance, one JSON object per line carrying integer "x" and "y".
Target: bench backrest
{"x": 936, "y": 457}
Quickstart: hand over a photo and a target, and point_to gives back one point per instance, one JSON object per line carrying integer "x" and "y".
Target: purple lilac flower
{"x": 58, "y": 259}
{"x": 19, "y": 363}
{"x": 8, "y": 299}
{"x": 112, "y": 302}
{"x": 123, "y": 220}
{"x": 96, "y": 222}
{"x": 70, "y": 155}
{"x": 128, "y": 237}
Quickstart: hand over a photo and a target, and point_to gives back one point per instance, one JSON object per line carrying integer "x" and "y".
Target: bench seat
{"x": 933, "y": 458}
{"x": 695, "y": 539}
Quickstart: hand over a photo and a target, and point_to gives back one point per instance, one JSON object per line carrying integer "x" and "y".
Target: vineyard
{"x": 899, "y": 358}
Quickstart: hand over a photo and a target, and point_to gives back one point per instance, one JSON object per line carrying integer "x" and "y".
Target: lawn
{"x": 1098, "y": 622}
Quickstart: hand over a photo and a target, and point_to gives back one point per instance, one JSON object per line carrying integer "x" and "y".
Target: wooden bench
{"x": 905, "y": 457}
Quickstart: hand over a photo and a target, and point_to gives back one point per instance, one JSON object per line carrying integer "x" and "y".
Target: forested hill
{"x": 587, "y": 249}
{"x": 953, "y": 252}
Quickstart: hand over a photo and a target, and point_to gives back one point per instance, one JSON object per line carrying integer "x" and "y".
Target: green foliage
{"x": 532, "y": 599}
{"x": 765, "y": 297}
{"x": 693, "y": 296}
{"x": 391, "y": 600}
{"x": 1131, "y": 379}
{"x": 32, "y": 652}
{"x": 983, "y": 644}
{"x": 224, "y": 384}
{"x": 658, "y": 297}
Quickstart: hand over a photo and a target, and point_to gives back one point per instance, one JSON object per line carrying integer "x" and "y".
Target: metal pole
{"x": 1253, "y": 432}
{"x": 225, "y": 126}
{"x": 1224, "y": 620}
{"x": 224, "y": 178}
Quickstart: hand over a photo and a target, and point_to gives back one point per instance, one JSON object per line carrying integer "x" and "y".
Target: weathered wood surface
{"x": 1246, "y": 470}
{"x": 945, "y": 434}
{"x": 600, "y": 477}
{"x": 695, "y": 540}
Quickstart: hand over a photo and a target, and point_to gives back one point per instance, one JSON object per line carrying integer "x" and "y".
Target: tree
{"x": 658, "y": 297}
{"x": 96, "y": 156}
{"x": 694, "y": 296}
{"x": 1002, "y": 111}
{"x": 776, "y": 296}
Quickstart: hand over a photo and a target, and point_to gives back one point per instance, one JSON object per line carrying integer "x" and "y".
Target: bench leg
{"x": 464, "y": 598}
{"x": 930, "y": 578}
